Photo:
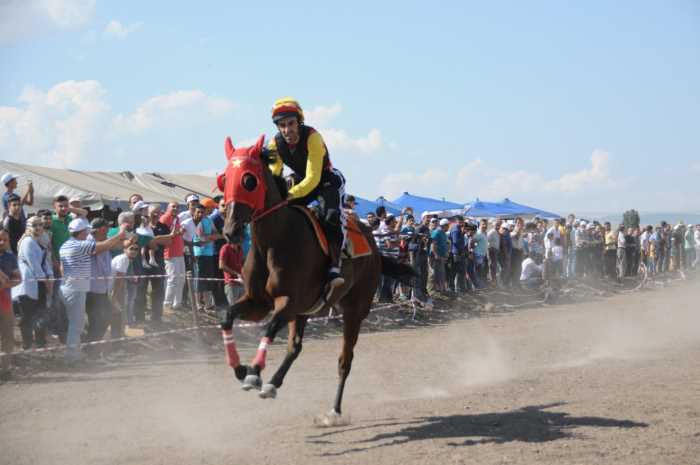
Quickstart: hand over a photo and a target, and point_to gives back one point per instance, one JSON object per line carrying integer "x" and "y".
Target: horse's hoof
{"x": 331, "y": 419}
{"x": 251, "y": 382}
{"x": 268, "y": 391}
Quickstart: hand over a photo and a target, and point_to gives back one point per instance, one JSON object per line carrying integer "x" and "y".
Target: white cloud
{"x": 73, "y": 120}
{"x": 339, "y": 139}
{"x": 172, "y": 108}
{"x": 394, "y": 184}
{"x": 116, "y": 30}
{"x": 21, "y": 19}
{"x": 573, "y": 182}
{"x": 322, "y": 115}
{"x": 55, "y": 128}
{"x": 466, "y": 172}
{"x": 477, "y": 179}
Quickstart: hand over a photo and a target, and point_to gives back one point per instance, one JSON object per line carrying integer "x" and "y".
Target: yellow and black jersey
{"x": 308, "y": 159}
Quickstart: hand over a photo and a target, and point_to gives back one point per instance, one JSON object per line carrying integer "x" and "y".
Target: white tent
{"x": 99, "y": 188}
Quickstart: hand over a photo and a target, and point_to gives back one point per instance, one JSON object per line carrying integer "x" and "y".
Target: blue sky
{"x": 586, "y": 106}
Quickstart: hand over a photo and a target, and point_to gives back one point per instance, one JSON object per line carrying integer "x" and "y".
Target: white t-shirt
{"x": 557, "y": 253}
{"x": 189, "y": 229}
{"x": 530, "y": 269}
{"x": 120, "y": 264}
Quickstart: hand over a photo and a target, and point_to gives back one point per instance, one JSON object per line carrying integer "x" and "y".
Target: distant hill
{"x": 649, "y": 217}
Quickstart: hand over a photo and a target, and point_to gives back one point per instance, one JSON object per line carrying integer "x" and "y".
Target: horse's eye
{"x": 249, "y": 182}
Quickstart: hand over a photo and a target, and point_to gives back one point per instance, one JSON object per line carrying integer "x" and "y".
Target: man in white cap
{"x": 76, "y": 261}
{"x": 9, "y": 180}
{"x": 77, "y": 206}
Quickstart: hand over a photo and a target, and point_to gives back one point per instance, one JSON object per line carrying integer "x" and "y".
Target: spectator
{"x": 690, "y": 247}
{"x": 9, "y": 278}
{"x": 532, "y": 273}
{"x": 45, "y": 238}
{"x": 610, "y": 250}
{"x": 63, "y": 215}
{"x": 621, "y": 253}
{"x": 124, "y": 267}
{"x": 75, "y": 255}
{"x": 696, "y": 238}
{"x": 31, "y": 295}
{"x": 469, "y": 233}
{"x": 15, "y": 222}
{"x": 231, "y": 263}
{"x": 134, "y": 199}
{"x": 161, "y": 238}
{"x": 504, "y": 254}
{"x": 516, "y": 257}
{"x": 456, "y": 279}
{"x": 97, "y": 303}
{"x": 387, "y": 238}
{"x": 418, "y": 253}
{"x": 77, "y": 205}
{"x": 494, "y": 246}
{"x": 174, "y": 260}
{"x": 438, "y": 256}
{"x": 203, "y": 245}
{"x": 556, "y": 260}
{"x": 216, "y": 211}
{"x": 481, "y": 248}
{"x": 9, "y": 180}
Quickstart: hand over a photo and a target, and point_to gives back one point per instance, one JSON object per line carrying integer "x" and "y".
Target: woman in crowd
{"x": 32, "y": 294}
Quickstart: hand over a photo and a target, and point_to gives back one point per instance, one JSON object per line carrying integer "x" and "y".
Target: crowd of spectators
{"x": 458, "y": 255}
{"x": 74, "y": 274}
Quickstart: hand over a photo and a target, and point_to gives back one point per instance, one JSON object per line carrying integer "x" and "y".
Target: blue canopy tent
{"x": 529, "y": 211}
{"x": 424, "y": 204}
{"x": 364, "y": 206}
{"x": 504, "y": 209}
{"x": 481, "y": 209}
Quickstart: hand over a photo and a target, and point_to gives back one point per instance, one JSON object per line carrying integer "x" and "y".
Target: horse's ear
{"x": 228, "y": 147}
{"x": 259, "y": 144}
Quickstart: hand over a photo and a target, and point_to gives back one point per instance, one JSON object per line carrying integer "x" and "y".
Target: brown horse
{"x": 285, "y": 271}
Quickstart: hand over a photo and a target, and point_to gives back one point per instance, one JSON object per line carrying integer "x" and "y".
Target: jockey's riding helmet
{"x": 286, "y": 107}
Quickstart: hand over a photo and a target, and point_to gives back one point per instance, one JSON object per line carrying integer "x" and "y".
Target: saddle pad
{"x": 356, "y": 244}
{"x": 316, "y": 225}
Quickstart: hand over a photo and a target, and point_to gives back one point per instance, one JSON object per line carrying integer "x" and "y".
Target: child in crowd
{"x": 556, "y": 258}
{"x": 231, "y": 262}
{"x": 125, "y": 287}
{"x": 9, "y": 278}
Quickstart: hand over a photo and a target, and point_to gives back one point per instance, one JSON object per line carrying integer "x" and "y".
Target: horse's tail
{"x": 401, "y": 272}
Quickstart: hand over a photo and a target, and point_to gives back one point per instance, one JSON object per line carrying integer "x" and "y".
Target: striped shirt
{"x": 76, "y": 258}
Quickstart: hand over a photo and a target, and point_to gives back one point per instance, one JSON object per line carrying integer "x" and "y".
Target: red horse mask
{"x": 243, "y": 180}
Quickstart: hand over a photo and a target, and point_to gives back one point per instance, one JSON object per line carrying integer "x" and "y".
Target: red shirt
{"x": 177, "y": 246}
{"x": 232, "y": 256}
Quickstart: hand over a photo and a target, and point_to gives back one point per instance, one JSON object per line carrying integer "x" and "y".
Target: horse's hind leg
{"x": 354, "y": 311}
{"x": 294, "y": 346}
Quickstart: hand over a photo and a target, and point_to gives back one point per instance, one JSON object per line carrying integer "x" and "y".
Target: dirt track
{"x": 614, "y": 381}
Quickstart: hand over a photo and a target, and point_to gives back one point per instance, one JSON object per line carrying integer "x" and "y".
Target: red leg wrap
{"x": 232, "y": 357}
{"x": 259, "y": 359}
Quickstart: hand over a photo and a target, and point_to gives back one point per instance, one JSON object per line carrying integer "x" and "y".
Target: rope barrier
{"x": 182, "y": 330}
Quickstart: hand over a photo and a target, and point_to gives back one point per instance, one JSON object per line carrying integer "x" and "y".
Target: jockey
{"x": 302, "y": 149}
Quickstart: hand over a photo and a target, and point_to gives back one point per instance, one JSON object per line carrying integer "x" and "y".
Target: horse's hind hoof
{"x": 251, "y": 382}
{"x": 268, "y": 391}
{"x": 331, "y": 419}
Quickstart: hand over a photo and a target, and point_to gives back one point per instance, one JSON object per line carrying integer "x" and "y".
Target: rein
{"x": 272, "y": 209}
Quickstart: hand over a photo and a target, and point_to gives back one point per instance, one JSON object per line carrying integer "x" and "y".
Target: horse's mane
{"x": 281, "y": 185}
{"x": 280, "y": 182}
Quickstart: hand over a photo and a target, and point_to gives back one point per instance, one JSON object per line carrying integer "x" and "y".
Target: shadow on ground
{"x": 527, "y": 424}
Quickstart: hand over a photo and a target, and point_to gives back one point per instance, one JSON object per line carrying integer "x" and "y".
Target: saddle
{"x": 356, "y": 244}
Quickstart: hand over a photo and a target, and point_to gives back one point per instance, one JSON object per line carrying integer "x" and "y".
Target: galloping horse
{"x": 285, "y": 270}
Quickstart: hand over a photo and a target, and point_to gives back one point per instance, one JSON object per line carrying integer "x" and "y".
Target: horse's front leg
{"x": 252, "y": 379}
{"x": 294, "y": 341}
{"x": 247, "y": 307}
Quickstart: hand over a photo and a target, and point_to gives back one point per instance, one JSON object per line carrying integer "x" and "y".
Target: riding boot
{"x": 335, "y": 279}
